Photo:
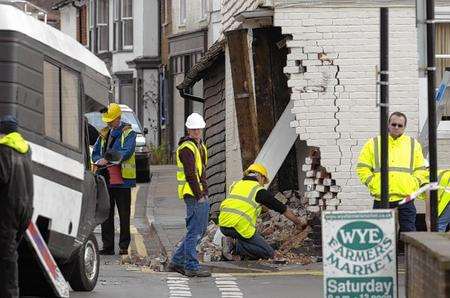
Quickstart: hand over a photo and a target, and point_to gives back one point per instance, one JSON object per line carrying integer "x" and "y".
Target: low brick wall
{"x": 427, "y": 264}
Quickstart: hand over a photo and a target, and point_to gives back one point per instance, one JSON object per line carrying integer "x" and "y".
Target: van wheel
{"x": 86, "y": 266}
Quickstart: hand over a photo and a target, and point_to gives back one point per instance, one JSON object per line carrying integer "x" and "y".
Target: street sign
{"x": 49, "y": 266}
{"x": 359, "y": 254}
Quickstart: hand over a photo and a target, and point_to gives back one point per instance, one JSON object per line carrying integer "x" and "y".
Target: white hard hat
{"x": 195, "y": 121}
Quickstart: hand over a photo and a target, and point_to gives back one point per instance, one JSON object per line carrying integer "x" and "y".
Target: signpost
{"x": 359, "y": 254}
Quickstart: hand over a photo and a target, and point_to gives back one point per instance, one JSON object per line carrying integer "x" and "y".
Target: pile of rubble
{"x": 286, "y": 238}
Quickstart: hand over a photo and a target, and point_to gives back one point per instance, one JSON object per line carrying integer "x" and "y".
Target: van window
{"x": 69, "y": 108}
{"x": 51, "y": 101}
{"x": 61, "y": 105}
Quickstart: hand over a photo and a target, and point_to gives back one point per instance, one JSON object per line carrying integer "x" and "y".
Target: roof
{"x": 13, "y": 19}
{"x": 197, "y": 72}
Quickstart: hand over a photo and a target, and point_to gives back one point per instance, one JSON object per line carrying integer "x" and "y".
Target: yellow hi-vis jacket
{"x": 407, "y": 171}
{"x": 128, "y": 167}
{"x": 240, "y": 210}
{"x": 183, "y": 186}
{"x": 443, "y": 195}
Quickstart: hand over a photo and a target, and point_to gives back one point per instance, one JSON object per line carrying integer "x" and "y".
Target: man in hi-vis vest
{"x": 192, "y": 189}
{"x": 119, "y": 137}
{"x": 16, "y": 201}
{"x": 239, "y": 211}
{"x": 407, "y": 170}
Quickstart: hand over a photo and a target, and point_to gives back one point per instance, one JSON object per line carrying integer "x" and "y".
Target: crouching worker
{"x": 239, "y": 211}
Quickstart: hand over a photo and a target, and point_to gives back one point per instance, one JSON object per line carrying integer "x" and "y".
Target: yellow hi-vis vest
{"x": 443, "y": 195}
{"x": 407, "y": 171}
{"x": 128, "y": 167}
{"x": 240, "y": 210}
{"x": 183, "y": 186}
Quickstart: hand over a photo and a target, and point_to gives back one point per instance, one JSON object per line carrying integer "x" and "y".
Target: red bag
{"x": 115, "y": 175}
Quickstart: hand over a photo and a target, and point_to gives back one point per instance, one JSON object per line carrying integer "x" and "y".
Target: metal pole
{"x": 431, "y": 72}
{"x": 384, "y": 104}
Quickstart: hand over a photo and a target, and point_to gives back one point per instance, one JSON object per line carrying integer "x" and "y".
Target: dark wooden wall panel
{"x": 214, "y": 113}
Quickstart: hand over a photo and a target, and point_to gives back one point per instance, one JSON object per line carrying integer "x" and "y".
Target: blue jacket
{"x": 126, "y": 151}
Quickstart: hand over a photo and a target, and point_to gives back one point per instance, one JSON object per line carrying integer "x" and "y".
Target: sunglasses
{"x": 397, "y": 125}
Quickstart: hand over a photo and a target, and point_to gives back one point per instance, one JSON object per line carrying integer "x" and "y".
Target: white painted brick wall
{"x": 339, "y": 112}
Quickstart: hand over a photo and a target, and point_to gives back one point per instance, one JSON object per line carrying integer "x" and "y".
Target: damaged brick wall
{"x": 331, "y": 65}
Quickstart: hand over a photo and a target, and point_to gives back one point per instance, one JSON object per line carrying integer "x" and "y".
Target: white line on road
{"x": 227, "y": 286}
{"x": 178, "y": 286}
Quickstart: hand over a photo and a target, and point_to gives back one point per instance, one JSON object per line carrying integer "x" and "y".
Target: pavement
{"x": 166, "y": 214}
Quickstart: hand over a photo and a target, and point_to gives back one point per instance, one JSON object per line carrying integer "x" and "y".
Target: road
{"x": 119, "y": 280}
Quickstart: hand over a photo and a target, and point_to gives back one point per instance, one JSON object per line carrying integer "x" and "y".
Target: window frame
{"x": 102, "y": 26}
{"x": 119, "y": 23}
{"x": 77, "y": 75}
{"x": 183, "y": 12}
{"x": 204, "y": 4}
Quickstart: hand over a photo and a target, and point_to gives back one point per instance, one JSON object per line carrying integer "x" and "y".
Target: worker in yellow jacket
{"x": 241, "y": 208}
{"x": 407, "y": 171}
{"x": 443, "y": 202}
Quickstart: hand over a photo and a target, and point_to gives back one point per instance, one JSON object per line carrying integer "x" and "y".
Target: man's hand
{"x": 102, "y": 162}
{"x": 292, "y": 217}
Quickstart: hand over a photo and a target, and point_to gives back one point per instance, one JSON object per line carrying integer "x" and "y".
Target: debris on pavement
{"x": 276, "y": 229}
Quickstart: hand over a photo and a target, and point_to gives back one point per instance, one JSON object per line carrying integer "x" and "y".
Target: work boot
{"x": 172, "y": 267}
{"x": 197, "y": 273}
{"x": 227, "y": 248}
{"x": 123, "y": 251}
{"x": 106, "y": 252}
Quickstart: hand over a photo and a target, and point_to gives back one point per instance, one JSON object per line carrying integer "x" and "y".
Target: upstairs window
{"x": 123, "y": 25}
{"x": 183, "y": 12}
{"x": 99, "y": 26}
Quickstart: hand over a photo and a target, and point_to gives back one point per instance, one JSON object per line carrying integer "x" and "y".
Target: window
{"x": 182, "y": 12}
{"x": 99, "y": 26}
{"x": 204, "y": 9}
{"x": 126, "y": 90}
{"x": 443, "y": 48}
{"x": 123, "y": 25}
{"x": 102, "y": 25}
{"x": 61, "y": 105}
{"x": 91, "y": 24}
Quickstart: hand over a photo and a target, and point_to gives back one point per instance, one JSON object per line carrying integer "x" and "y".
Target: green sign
{"x": 359, "y": 254}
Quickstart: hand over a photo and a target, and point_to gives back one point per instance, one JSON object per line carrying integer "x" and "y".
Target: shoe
{"x": 172, "y": 267}
{"x": 123, "y": 251}
{"x": 106, "y": 252}
{"x": 227, "y": 248}
{"x": 197, "y": 273}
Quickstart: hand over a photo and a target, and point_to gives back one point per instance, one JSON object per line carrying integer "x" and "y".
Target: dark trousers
{"x": 122, "y": 198}
{"x": 406, "y": 214}
{"x": 253, "y": 248}
{"x": 9, "y": 272}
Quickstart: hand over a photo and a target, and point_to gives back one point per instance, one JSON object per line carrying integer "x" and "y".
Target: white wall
{"x": 68, "y": 15}
{"x": 335, "y": 99}
{"x": 150, "y": 28}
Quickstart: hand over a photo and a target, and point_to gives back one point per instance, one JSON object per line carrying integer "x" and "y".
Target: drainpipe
{"x": 431, "y": 73}
{"x": 384, "y": 104}
{"x": 78, "y": 8}
{"x": 190, "y": 96}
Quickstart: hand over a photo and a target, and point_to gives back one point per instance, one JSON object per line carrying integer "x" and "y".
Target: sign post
{"x": 359, "y": 254}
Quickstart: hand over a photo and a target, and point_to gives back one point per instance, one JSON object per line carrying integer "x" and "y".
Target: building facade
{"x": 126, "y": 35}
